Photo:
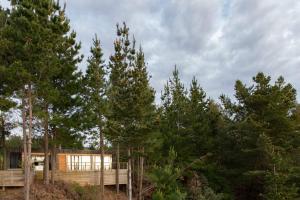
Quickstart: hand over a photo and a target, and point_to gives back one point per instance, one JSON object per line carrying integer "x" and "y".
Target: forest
{"x": 186, "y": 146}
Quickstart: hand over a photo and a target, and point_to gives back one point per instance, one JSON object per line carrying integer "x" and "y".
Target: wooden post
{"x": 92, "y": 163}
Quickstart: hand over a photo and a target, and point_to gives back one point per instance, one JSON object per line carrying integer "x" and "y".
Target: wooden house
{"x": 81, "y": 166}
{"x": 74, "y": 160}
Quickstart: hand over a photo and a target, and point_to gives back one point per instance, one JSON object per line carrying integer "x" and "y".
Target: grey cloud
{"x": 218, "y": 41}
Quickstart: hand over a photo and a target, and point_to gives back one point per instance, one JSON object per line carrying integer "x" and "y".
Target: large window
{"x": 87, "y": 162}
{"x": 107, "y": 162}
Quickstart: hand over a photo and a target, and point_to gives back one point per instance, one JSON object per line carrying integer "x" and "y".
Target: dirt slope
{"x": 60, "y": 191}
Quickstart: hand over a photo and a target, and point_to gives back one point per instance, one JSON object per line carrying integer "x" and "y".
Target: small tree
{"x": 165, "y": 180}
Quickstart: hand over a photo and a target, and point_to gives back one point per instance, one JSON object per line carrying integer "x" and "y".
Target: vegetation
{"x": 188, "y": 146}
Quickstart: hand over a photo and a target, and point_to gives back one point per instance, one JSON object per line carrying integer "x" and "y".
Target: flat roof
{"x": 68, "y": 151}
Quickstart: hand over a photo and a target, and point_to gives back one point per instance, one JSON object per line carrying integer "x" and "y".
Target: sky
{"x": 217, "y": 41}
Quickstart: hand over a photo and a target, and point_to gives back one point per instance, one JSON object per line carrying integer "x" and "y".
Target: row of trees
{"x": 39, "y": 75}
{"x": 242, "y": 149}
{"x": 194, "y": 147}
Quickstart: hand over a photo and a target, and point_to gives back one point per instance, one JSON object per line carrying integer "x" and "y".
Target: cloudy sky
{"x": 218, "y": 41}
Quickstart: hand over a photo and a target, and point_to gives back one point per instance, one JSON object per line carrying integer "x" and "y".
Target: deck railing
{"x": 96, "y": 166}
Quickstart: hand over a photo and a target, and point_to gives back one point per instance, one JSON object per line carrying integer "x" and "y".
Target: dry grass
{"x": 61, "y": 191}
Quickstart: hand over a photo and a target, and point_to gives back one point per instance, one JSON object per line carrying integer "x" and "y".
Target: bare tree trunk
{"x": 118, "y": 170}
{"x": 141, "y": 175}
{"x": 25, "y": 158}
{"x": 138, "y": 170}
{"x": 129, "y": 176}
{"x": 3, "y": 143}
{"x": 46, "y": 147}
{"x": 133, "y": 175}
{"x": 4, "y": 154}
{"x": 53, "y": 163}
{"x": 102, "y": 163}
{"x": 29, "y": 173}
{"x": 53, "y": 157}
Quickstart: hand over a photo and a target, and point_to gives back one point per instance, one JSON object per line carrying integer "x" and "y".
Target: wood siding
{"x": 92, "y": 177}
{"x": 11, "y": 178}
{"x": 62, "y": 163}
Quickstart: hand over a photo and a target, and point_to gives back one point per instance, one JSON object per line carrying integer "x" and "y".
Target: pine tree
{"x": 20, "y": 57}
{"x": 260, "y": 121}
{"x": 198, "y": 133}
{"x": 95, "y": 103}
{"x": 165, "y": 179}
{"x": 174, "y": 116}
{"x": 120, "y": 93}
{"x": 143, "y": 115}
{"x": 39, "y": 51}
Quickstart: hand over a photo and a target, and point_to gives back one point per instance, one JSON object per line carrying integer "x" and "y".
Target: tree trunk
{"x": 25, "y": 158}
{"x": 46, "y": 147}
{"x": 4, "y": 167}
{"x": 102, "y": 163}
{"x": 141, "y": 175}
{"x": 4, "y": 152}
{"x": 118, "y": 170}
{"x": 133, "y": 175}
{"x": 53, "y": 157}
{"x": 29, "y": 173}
{"x": 129, "y": 176}
{"x": 53, "y": 163}
{"x": 138, "y": 170}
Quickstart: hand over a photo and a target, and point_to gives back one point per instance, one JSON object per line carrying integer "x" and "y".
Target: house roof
{"x": 84, "y": 151}
{"x": 66, "y": 151}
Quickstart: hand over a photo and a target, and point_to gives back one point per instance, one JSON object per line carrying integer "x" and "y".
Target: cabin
{"x": 80, "y": 166}
{"x": 73, "y": 160}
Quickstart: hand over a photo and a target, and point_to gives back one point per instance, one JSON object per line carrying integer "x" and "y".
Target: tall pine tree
{"x": 95, "y": 103}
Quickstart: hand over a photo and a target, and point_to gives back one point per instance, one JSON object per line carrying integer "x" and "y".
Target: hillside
{"x": 60, "y": 191}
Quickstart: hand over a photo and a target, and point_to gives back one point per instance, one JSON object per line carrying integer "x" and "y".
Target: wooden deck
{"x": 15, "y": 178}
{"x": 12, "y": 177}
{"x": 92, "y": 177}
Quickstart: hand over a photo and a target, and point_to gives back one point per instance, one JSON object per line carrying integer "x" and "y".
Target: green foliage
{"x": 278, "y": 187}
{"x": 260, "y": 134}
{"x": 131, "y": 113}
{"x": 94, "y": 102}
{"x": 14, "y": 142}
{"x": 119, "y": 93}
{"x": 165, "y": 180}
{"x": 38, "y": 49}
{"x": 206, "y": 193}
{"x": 244, "y": 149}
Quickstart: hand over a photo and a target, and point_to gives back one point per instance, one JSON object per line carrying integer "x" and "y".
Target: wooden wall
{"x": 16, "y": 177}
{"x": 11, "y": 178}
{"x": 92, "y": 177}
{"x": 62, "y": 162}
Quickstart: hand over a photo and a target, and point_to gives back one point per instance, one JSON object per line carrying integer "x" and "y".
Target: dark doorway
{"x": 15, "y": 160}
